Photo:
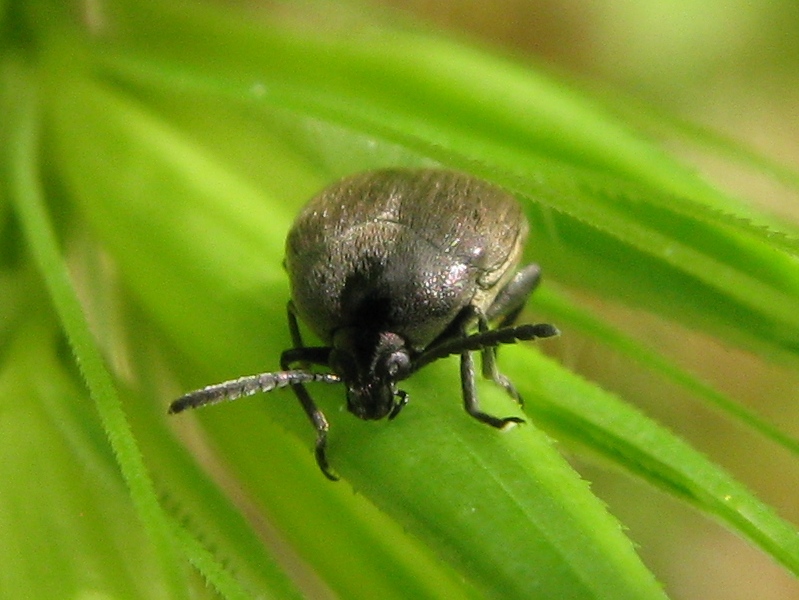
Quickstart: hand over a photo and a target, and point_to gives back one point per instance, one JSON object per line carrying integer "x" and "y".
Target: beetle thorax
{"x": 370, "y": 363}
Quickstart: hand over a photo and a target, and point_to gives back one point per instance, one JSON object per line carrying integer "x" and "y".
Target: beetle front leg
{"x": 470, "y": 396}
{"x": 317, "y": 355}
{"x": 489, "y": 364}
{"x": 294, "y": 330}
{"x": 321, "y": 425}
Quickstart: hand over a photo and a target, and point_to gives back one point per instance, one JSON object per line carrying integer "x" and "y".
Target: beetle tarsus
{"x": 497, "y": 422}
{"x": 505, "y": 383}
{"x": 402, "y": 400}
{"x": 321, "y": 455}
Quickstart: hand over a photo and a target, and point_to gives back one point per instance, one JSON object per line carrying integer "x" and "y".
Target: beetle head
{"x": 371, "y": 364}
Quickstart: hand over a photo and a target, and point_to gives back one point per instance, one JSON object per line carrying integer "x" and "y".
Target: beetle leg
{"x": 402, "y": 400}
{"x": 511, "y": 299}
{"x": 294, "y": 327}
{"x": 294, "y": 330}
{"x": 316, "y": 355}
{"x": 488, "y": 357}
{"x": 302, "y": 355}
{"x": 468, "y": 385}
{"x": 320, "y": 423}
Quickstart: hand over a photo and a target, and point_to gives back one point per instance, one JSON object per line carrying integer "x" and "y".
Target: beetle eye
{"x": 397, "y": 365}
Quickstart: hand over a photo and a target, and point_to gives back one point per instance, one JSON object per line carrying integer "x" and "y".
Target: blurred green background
{"x": 729, "y": 66}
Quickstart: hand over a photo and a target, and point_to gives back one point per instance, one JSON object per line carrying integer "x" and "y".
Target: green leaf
{"x": 579, "y": 410}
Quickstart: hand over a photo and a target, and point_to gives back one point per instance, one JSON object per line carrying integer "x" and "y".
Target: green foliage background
{"x": 154, "y": 157}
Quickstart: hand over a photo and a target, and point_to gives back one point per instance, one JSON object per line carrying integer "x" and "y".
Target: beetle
{"x": 394, "y": 269}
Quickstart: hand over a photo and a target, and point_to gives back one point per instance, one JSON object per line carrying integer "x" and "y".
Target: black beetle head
{"x": 370, "y": 365}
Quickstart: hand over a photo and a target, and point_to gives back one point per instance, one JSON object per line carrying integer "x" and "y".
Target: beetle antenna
{"x": 485, "y": 339}
{"x": 247, "y": 386}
